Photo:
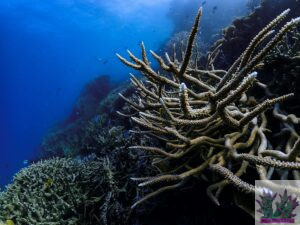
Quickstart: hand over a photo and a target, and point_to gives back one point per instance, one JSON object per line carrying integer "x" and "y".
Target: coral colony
{"x": 206, "y": 119}
{"x": 60, "y": 191}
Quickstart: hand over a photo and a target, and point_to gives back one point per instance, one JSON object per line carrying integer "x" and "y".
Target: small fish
{"x": 48, "y": 183}
{"x": 214, "y": 9}
{"x": 259, "y": 66}
{"x": 105, "y": 61}
{"x": 203, "y": 3}
{"x": 10, "y": 222}
{"x": 25, "y": 162}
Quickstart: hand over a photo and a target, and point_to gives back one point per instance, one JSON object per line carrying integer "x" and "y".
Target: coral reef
{"x": 93, "y": 107}
{"x": 49, "y": 191}
{"x": 281, "y": 68}
{"x": 180, "y": 14}
{"x": 87, "y": 103}
{"x": 105, "y": 135}
{"x": 206, "y": 121}
{"x": 242, "y": 30}
{"x": 252, "y": 4}
{"x": 178, "y": 43}
{"x": 202, "y": 128}
{"x": 64, "y": 191}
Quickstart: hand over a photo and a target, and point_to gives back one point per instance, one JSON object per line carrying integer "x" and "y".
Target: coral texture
{"x": 282, "y": 67}
{"x": 205, "y": 120}
{"x": 62, "y": 191}
{"x": 243, "y": 29}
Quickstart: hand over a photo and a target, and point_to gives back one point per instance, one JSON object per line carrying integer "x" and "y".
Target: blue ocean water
{"x": 49, "y": 49}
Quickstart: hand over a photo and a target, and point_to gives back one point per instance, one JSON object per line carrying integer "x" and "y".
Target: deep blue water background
{"x": 49, "y": 49}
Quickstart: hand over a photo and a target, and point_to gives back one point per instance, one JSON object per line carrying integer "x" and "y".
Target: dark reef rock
{"x": 280, "y": 70}
{"x": 237, "y": 36}
{"x": 93, "y": 115}
{"x": 87, "y": 103}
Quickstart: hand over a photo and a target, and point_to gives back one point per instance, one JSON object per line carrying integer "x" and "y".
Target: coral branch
{"x": 205, "y": 118}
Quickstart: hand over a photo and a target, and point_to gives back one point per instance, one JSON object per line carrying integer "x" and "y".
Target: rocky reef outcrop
{"x": 88, "y": 126}
{"x": 242, "y": 30}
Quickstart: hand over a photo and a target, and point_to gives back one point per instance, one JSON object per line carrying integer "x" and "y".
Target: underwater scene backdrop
{"x": 51, "y": 49}
{"x": 178, "y": 141}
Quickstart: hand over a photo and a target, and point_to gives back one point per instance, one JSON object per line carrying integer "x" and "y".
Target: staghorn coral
{"x": 206, "y": 118}
{"x": 63, "y": 191}
{"x": 178, "y": 44}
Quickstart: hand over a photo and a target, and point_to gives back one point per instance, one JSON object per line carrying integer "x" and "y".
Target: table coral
{"x": 62, "y": 191}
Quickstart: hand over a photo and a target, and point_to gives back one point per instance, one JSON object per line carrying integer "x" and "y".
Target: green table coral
{"x": 59, "y": 191}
